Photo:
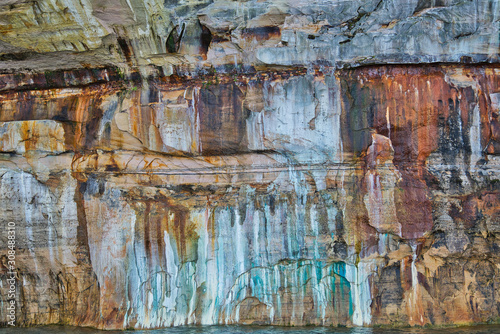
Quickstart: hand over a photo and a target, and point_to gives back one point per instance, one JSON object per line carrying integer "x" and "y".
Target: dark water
{"x": 486, "y": 329}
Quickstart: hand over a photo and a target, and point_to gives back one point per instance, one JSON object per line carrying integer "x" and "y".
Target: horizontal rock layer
{"x": 191, "y": 36}
{"x": 354, "y": 197}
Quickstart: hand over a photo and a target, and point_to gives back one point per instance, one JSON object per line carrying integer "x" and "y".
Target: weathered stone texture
{"x": 251, "y": 162}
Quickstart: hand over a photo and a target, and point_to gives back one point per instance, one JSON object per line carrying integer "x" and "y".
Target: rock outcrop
{"x": 225, "y": 162}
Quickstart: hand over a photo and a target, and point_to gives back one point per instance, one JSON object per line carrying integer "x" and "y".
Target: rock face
{"x": 283, "y": 162}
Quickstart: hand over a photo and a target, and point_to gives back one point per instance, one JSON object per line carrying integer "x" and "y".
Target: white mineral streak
{"x": 315, "y": 231}
{"x": 258, "y": 254}
{"x": 210, "y": 312}
{"x": 299, "y": 120}
{"x": 459, "y": 79}
{"x": 37, "y": 208}
{"x": 414, "y": 285}
{"x": 255, "y": 131}
{"x": 28, "y": 190}
{"x": 360, "y": 291}
{"x": 475, "y": 137}
{"x": 387, "y": 119}
{"x": 172, "y": 267}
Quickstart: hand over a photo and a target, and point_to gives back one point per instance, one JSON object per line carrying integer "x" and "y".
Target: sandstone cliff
{"x": 251, "y": 162}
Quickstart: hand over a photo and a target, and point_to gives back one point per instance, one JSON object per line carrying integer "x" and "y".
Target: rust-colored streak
{"x": 147, "y": 236}
{"x": 159, "y": 216}
{"x": 419, "y": 109}
{"x": 222, "y": 120}
{"x": 261, "y": 33}
{"x": 413, "y": 206}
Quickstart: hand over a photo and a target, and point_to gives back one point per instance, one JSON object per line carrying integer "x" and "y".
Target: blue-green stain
{"x": 340, "y": 269}
{"x": 318, "y": 266}
{"x": 258, "y": 286}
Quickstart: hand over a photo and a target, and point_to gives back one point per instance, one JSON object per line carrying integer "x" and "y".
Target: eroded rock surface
{"x": 239, "y": 163}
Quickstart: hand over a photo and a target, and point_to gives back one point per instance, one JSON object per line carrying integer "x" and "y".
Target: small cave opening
{"x": 170, "y": 44}
{"x": 127, "y": 52}
{"x": 205, "y": 39}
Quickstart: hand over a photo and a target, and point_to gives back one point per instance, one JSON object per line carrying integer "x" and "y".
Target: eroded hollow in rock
{"x": 174, "y": 39}
{"x": 205, "y": 39}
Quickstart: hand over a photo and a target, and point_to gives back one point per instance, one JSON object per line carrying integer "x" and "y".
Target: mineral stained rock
{"x": 251, "y": 162}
